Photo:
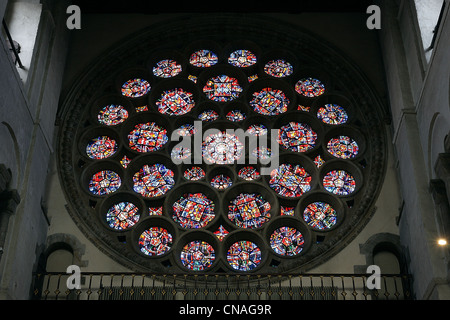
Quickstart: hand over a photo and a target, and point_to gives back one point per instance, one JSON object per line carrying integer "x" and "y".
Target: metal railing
{"x": 132, "y": 286}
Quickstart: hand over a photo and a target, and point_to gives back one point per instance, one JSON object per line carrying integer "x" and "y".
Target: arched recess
{"x": 385, "y": 248}
{"x": 63, "y": 250}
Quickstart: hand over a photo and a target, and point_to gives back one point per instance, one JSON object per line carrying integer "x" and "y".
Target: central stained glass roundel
{"x": 222, "y": 88}
{"x": 222, "y": 148}
{"x": 205, "y": 145}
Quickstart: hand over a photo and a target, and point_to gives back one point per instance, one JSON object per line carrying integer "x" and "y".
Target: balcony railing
{"x": 132, "y": 286}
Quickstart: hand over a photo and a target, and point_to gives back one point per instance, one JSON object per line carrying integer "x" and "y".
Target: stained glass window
{"x": 203, "y": 59}
{"x": 290, "y": 180}
{"x": 256, "y": 96}
{"x": 194, "y": 173}
{"x": 318, "y": 161}
{"x": 249, "y": 210}
{"x": 193, "y": 78}
{"x": 125, "y": 161}
{"x": 180, "y": 153}
{"x": 186, "y": 130}
{"x": 155, "y": 241}
{"x": 147, "y": 137}
{"x": 303, "y": 108}
{"x": 221, "y": 182}
{"x": 153, "y": 181}
{"x": 208, "y": 116}
{"x": 287, "y": 211}
{"x": 222, "y": 88}
{"x": 262, "y": 153}
{"x": 155, "y": 211}
{"x": 248, "y": 173}
{"x": 222, "y": 148}
{"x": 310, "y": 87}
{"x": 193, "y": 210}
{"x": 244, "y": 256}
{"x": 141, "y": 109}
{"x": 175, "y": 102}
{"x": 235, "y": 115}
{"x": 135, "y": 88}
{"x": 197, "y": 255}
{"x": 257, "y": 130}
{"x": 221, "y": 233}
{"x": 112, "y": 115}
{"x": 343, "y": 147}
{"x": 278, "y": 68}
{"x": 104, "y": 182}
{"x": 339, "y": 182}
{"x": 167, "y": 68}
{"x": 298, "y": 137}
{"x": 101, "y": 148}
{"x": 269, "y": 102}
{"x": 242, "y": 58}
{"x": 320, "y": 215}
{"x": 332, "y": 114}
{"x": 287, "y": 241}
{"x": 122, "y": 215}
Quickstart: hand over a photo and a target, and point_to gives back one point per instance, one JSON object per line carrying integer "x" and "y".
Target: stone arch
{"x": 67, "y": 243}
{"x": 383, "y": 242}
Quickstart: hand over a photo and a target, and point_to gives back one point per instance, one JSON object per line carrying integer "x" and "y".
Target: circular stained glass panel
{"x": 167, "y": 68}
{"x": 153, "y": 181}
{"x": 194, "y": 173}
{"x": 248, "y": 173}
{"x": 235, "y": 116}
{"x": 320, "y": 216}
{"x": 147, "y": 137}
{"x": 221, "y": 182}
{"x": 339, "y": 182}
{"x": 222, "y": 148}
{"x": 290, "y": 180}
{"x": 104, "y": 182}
{"x": 244, "y": 255}
{"x": 112, "y": 115}
{"x": 208, "y": 116}
{"x": 203, "y": 59}
{"x": 278, "y": 68}
{"x": 186, "y": 130}
{"x": 287, "y": 241}
{"x": 242, "y": 58}
{"x": 155, "y": 241}
{"x": 193, "y": 210}
{"x": 332, "y": 114}
{"x": 222, "y": 88}
{"x": 298, "y": 137}
{"x": 249, "y": 210}
{"x": 310, "y": 87}
{"x": 257, "y": 130}
{"x": 343, "y": 147}
{"x": 101, "y": 148}
{"x": 135, "y": 88}
{"x": 269, "y": 102}
{"x": 175, "y": 102}
{"x": 197, "y": 255}
{"x": 122, "y": 215}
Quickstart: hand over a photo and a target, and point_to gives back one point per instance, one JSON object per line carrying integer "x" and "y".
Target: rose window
{"x": 221, "y": 156}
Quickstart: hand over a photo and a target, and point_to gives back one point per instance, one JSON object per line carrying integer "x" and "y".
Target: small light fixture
{"x": 442, "y": 242}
